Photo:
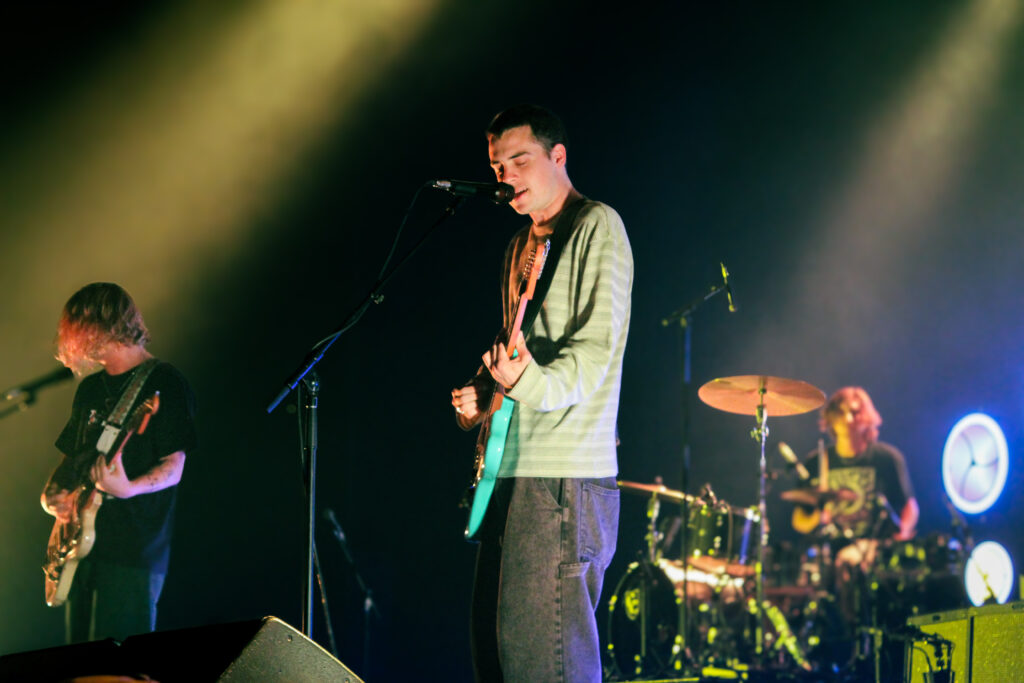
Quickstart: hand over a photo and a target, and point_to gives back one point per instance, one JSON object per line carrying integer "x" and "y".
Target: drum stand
{"x": 755, "y": 395}
{"x": 760, "y": 433}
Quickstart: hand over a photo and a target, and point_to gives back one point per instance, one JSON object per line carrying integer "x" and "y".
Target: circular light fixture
{"x": 975, "y": 462}
{"x": 989, "y": 573}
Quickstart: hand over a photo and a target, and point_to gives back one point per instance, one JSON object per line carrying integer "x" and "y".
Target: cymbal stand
{"x": 683, "y": 315}
{"x": 653, "y": 535}
{"x": 760, "y": 433}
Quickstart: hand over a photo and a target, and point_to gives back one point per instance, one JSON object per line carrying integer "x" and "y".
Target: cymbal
{"x": 744, "y": 393}
{"x": 812, "y": 496}
{"x": 657, "y": 489}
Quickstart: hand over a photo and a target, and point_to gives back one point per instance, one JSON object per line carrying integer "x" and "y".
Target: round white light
{"x": 975, "y": 462}
{"x": 989, "y": 572}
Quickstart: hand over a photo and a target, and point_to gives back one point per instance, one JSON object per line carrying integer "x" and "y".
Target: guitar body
{"x": 69, "y": 543}
{"x": 490, "y": 443}
{"x": 490, "y": 448}
{"x": 72, "y": 540}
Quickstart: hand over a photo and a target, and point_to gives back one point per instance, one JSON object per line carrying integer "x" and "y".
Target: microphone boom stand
{"x": 307, "y": 417}
{"x": 683, "y": 315}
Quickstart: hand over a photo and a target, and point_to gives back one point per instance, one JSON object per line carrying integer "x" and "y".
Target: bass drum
{"x": 644, "y": 616}
{"x": 643, "y": 620}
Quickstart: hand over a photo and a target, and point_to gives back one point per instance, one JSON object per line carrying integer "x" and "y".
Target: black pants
{"x": 111, "y": 601}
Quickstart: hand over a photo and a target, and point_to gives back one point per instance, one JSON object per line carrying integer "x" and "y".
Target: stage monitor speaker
{"x": 62, "y": 663}
{"x": 987, "y": 645}
{"x": 266, "y": 650}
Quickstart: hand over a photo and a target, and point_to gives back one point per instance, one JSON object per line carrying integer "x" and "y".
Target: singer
{"x": 550, "y": 529}
{"x": 114, "y": 590}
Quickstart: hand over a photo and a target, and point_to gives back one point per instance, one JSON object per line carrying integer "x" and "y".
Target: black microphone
{"x": 728, "y": 289}
{"x": 59, "y": 375}
{"x": 499, "y": 193}
{"x": 789, "y": 456}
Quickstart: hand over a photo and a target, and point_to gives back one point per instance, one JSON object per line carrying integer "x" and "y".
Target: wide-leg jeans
{"x": 544, "y": 549}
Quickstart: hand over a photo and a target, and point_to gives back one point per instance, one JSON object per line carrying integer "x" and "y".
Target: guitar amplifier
{"x": 973, "y": 645}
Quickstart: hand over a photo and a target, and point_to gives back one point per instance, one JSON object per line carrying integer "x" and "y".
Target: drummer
{"x": 873, "y": 498}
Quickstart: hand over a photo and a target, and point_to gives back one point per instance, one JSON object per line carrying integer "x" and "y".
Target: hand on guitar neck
{"x": 471, "y": 401}
{"x": 507, "y": 365}
{"x": 111, "y": 478}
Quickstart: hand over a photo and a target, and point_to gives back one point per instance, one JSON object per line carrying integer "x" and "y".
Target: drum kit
{"x": 727, "y": 602}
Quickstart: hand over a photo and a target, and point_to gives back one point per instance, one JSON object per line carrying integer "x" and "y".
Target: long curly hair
{"x": 96, "y": 316}
{"x": 866, "y": 420}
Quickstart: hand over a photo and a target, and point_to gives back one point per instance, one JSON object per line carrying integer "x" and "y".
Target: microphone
{"x": 728, "y": 289}
{"x": 789, "y": 456}
{"x": 499, "y": 193}
{"x": 59, "y": 375}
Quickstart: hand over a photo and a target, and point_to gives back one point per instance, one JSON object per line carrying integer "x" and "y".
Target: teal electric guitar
{"x": 490, "y": 442}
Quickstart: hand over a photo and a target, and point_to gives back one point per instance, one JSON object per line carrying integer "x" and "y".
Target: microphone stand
{"x": 23, "y": 396}
{"x": 308, "y": 400}
{"x": 684, "y": 316}
{"x": 369, "y": 606}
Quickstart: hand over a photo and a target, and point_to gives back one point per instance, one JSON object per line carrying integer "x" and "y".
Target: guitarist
{"x": 115, "y": 588}
{"x": 550, "y": 529}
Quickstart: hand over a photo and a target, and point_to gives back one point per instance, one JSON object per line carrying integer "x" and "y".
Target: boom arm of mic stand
{"x": 374, "y": 296}
{"x": 309, "y": 436}
{"x": 682, "y": 313}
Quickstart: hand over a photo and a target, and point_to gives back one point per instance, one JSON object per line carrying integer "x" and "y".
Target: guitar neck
{"x": 517, "y": 326}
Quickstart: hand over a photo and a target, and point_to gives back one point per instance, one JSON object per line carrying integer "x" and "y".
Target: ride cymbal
{"x": 743, "y": 395}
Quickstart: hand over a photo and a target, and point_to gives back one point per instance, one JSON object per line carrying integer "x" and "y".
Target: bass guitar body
{"x": 490, "y": 443}
{"x": 69, "y": 543}
{"x": 73, "y": 539}
{"x": 490, "y": 449}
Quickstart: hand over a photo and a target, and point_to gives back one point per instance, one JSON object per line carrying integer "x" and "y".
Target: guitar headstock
{"x": 536, "y": 266}
{"x": 145, "y": 410}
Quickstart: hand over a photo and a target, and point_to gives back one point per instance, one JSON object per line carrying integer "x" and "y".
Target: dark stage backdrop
{"x": 857, "y": 168}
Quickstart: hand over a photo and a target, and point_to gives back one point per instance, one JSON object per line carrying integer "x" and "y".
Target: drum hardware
{"x": 813, "y": 497}
{"x": 761, "y": 395}
{"x": 645, "y": 628}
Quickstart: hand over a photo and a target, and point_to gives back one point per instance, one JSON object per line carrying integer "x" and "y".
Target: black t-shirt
{"x": 133, "y": 531}
{"x": 879, "y": 469}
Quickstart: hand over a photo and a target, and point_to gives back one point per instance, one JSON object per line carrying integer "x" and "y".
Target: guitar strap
{"x": 559, "y": 238}
{"x": 112, "y": 425}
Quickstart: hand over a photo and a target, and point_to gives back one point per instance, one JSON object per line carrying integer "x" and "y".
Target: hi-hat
{"x": 745, "y": 393}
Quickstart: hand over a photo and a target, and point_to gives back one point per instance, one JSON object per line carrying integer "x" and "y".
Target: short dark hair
{"x": 546, "y": 127}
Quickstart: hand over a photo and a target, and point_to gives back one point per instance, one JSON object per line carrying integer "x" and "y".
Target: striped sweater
{"x": 567, "y": 399}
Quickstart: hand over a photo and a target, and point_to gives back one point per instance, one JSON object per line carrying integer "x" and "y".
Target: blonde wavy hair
{"x": 96, "y": 316}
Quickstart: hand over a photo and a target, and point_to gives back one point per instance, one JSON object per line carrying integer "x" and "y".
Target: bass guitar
{"x": 72, "y": 540}
{"x": 490, "y": 442}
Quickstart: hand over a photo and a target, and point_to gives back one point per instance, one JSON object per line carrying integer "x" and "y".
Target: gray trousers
{"x": 544, "y": 549}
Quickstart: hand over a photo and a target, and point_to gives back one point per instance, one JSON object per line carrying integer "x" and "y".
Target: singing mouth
{"x": 519, "y": 193}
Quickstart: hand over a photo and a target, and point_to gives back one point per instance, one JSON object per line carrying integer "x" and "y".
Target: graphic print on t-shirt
{"x": 854, "y": 514}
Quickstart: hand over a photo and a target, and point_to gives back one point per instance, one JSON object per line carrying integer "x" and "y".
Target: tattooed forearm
{"x": 167, "y": 473}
